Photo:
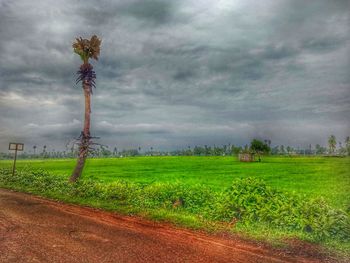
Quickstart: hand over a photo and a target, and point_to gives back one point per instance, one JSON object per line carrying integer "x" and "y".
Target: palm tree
{"x": 347, "y": 144}
{"x": 86, "y": 49}
{"x": 332, "y": 143}
{"x": 34, "y": 148}
{"x": 115, "y": 151}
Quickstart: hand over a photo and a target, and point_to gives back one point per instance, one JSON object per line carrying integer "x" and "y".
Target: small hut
{"x": 246, "y": 157}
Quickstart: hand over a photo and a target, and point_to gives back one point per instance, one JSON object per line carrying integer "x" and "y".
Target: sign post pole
{"x": 14, "y": 163}
{"x": 16, "y": 147}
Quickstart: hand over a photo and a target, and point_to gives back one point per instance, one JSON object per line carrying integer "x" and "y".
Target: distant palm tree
{"x": 347, "y": 144}
{"x": 332, "y": 143}
{"x": 34, "y": 148}
{"x": 86, "y": 49}
{"x": 115, "y": 151}
{"x": 44, "y": 151}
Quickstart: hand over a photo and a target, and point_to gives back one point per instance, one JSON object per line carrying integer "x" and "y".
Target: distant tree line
{"x": 333, "y": 148}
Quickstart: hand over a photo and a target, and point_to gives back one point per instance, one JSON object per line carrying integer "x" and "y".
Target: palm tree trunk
{"x": 85, "y": 135}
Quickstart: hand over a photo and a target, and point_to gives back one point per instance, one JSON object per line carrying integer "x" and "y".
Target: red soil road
{"x": 34, "y": 229}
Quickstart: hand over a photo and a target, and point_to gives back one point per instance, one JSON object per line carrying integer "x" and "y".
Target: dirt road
{"x": 33, "y": 229}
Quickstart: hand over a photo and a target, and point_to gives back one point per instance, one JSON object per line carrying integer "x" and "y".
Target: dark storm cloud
{"x": 323, "y": 44}
{"x": 279, "y": 52}
{"x": 156, "y": 12}
{"x": 183, "y": 75}
{"x": 173, "y": 73}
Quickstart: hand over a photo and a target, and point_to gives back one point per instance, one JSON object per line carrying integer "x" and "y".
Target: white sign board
{"x": 16, "y": 146}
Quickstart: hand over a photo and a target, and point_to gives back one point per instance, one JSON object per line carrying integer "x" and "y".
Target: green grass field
{"x": 314, "y": 176}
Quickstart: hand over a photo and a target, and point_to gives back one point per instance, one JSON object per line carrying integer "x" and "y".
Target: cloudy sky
{"x": 177, "y": 73}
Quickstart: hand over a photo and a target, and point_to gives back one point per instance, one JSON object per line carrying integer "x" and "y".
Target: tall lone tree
{"x": 86, "y": 49}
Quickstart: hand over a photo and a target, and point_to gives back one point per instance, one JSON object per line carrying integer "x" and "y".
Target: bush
{"x": 251, "y": 200}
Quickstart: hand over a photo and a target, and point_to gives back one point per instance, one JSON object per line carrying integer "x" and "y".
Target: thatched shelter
{"x": 246, "y": 157}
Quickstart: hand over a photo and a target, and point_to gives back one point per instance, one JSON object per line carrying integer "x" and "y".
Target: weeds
{"x": 248, "y": 201}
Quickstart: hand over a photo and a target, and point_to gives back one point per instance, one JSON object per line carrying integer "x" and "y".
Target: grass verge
{"x": 248, "y": 207}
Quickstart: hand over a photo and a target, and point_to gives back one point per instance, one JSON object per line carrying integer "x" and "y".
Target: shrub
{"x": 251, "y": 200}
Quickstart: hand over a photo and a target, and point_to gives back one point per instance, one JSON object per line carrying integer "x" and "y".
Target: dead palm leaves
{"x": 86, "y": 48}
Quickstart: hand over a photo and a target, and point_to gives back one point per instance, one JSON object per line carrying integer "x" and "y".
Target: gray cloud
{"x": 154, "y": 11}
{"x": 173, "y": 73}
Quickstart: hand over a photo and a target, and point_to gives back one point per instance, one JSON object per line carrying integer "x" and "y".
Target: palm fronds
{"x": 86, "y": 48}
{"x": 87, "y": 74}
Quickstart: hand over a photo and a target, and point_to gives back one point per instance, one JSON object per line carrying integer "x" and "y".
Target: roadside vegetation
{"x": 314, "y": 177}
{"x": 249, "y": 205}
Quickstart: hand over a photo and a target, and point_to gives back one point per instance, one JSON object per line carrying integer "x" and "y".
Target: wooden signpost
{"x": 15, "y": 147}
